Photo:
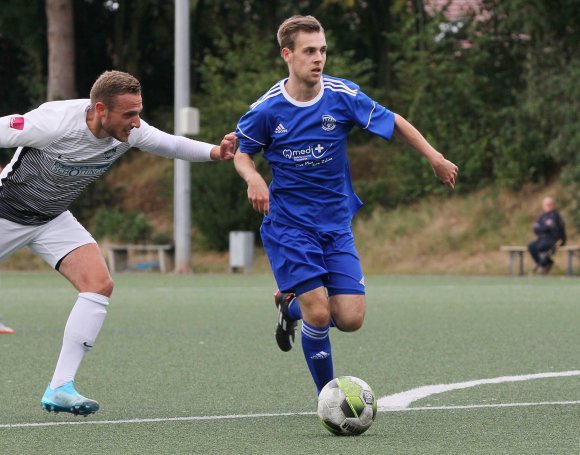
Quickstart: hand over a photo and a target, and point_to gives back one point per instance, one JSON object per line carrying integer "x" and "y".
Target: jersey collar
{"x": 302, "y": 103}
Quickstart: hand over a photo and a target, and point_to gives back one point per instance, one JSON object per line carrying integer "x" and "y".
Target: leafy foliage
{"x": 498, "y": 95}
{"x": 119, "y": 226}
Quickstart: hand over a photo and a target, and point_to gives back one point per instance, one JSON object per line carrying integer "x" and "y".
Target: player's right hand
{"x": 259, "y": 194}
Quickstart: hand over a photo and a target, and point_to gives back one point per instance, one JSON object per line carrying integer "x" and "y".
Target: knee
{"x": 350, "y": 324}
{"x": 105, "y": 286}
{"x": 318, "y": 317}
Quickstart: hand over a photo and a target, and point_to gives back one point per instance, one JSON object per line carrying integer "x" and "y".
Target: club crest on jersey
{"x": 17, "y": 123}
{"x": 110, "y": 153}
{"x": 328, "y": 122}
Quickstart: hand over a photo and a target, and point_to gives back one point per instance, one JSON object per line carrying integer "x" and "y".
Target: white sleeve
{"x": 37, "y": 128}
{"x": 150, "y": 139}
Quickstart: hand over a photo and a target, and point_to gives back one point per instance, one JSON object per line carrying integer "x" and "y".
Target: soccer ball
{"x": 347, "y": 406}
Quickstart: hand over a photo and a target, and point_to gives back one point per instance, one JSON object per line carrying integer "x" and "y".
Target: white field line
{"x": 479, "y": 406}
{"x": 282, "y": 414}
{"x": 402, "y": 400}
{"x": 160, "y": 419}
{"x": 398, "y": 402}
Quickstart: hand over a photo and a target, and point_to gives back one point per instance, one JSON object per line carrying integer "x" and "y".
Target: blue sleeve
{"x": 252, "y": 132}
{"x": 371, "y": 116}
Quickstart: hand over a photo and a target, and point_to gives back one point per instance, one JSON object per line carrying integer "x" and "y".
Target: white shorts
{"x": 51, "y": 241}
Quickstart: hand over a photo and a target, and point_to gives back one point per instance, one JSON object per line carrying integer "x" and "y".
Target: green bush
{"x": 220, "y": 204}
{"x": 118, "y": 226}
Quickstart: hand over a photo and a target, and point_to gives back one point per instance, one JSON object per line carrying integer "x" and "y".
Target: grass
{"x": 193, "y": 346}
{"x": 457, "y": 235}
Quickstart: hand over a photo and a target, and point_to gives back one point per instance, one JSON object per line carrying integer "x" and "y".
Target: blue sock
{"x": 318, "y": 353}
{"x": 294, "y": 310}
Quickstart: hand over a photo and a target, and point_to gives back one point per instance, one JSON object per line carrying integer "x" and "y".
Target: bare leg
{"x": 348, "y": 311}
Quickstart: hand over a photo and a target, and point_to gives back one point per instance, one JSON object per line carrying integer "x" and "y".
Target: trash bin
{"x": 241, "y": 250}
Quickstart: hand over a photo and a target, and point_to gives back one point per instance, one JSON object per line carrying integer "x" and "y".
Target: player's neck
{"x": 301, "y": 91}
{"x": 94, "y": 126}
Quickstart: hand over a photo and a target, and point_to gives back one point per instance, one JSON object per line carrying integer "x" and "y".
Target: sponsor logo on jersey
{"x": 17, "y": 123}
{"x": 328, "y": 122}
{"x": 75, "y": 170}
{"x": 304, "y": 154}
{"x": 280, "y": 129}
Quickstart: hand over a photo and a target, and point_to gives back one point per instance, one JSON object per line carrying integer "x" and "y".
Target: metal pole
{"x": 182, "y": 186}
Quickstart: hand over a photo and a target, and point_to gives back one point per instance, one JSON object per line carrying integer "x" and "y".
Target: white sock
{"x": 83, "y": 325}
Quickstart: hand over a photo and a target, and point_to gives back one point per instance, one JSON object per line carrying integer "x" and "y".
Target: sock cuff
{"x": 93, "y": 297}
{"x": 315, "y": 332}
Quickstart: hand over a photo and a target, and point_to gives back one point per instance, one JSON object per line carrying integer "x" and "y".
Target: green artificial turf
{"x": 183, "y": 362}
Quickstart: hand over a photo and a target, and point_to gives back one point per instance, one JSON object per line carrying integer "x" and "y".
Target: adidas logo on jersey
{"x": 280, "y": 129}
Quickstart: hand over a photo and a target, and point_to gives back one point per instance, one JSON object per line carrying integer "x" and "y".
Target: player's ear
{"x": 285, "y": 52}
{"x": 100, "y": 107}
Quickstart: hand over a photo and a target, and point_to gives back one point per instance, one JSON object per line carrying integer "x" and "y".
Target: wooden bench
{"x": 516, "y": 254}
{"x": 572, "y": 250}
{"x": 118, "y": 256}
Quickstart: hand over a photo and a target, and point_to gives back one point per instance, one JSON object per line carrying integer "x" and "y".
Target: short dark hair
{"x": 111, "y": 84}
{"x": 290, "y": 27}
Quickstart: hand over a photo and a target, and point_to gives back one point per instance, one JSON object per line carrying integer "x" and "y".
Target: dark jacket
{"x": 550, "y": 226}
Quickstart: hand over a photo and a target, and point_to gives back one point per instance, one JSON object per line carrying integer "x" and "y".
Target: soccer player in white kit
{"x": 62, "y": 147}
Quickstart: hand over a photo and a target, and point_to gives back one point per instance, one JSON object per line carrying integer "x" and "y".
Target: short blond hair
{"x": 290, "y": 27}
{"x": 111, "y": 84}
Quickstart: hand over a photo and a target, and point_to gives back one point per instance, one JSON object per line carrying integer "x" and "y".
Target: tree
{"x": 61, "y": 49}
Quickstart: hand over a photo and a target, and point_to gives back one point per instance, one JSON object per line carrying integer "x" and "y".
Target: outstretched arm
{"x": 258, "y": 192}
{"x": 153, "y": 140}
{"x": 444, "y": 169}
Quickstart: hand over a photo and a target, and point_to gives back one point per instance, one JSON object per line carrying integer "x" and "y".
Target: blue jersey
{"x": 305, "y": 144}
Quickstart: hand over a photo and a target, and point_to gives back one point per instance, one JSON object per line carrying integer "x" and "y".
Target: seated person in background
{"x": 550, "y": 229}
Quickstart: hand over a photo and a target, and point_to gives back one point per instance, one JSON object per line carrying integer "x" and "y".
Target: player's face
{"x": 307, "y": 60}
{"x": 119, "y": 119}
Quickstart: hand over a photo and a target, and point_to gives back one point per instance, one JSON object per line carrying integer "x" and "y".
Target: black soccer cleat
{"x": 285, "y": 327}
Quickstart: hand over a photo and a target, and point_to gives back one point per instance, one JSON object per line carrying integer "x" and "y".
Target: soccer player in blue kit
{"x": 302, "y": 124}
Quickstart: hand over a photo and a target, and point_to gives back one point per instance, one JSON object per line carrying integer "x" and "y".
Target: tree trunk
{"x": 61, "y": 49}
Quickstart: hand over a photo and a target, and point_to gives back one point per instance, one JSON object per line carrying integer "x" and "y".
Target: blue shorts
{"x": 303, "y": 260}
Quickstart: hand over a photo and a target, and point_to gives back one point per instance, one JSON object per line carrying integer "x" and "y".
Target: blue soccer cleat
{"x": 66, "y": 399}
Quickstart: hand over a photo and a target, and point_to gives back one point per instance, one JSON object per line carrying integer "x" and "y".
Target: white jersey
{"x": 58, "y": 156}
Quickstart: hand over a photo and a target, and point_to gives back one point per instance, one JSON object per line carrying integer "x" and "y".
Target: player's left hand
{"x": 446, "y": 171}
{"x": 228, "y": 146}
